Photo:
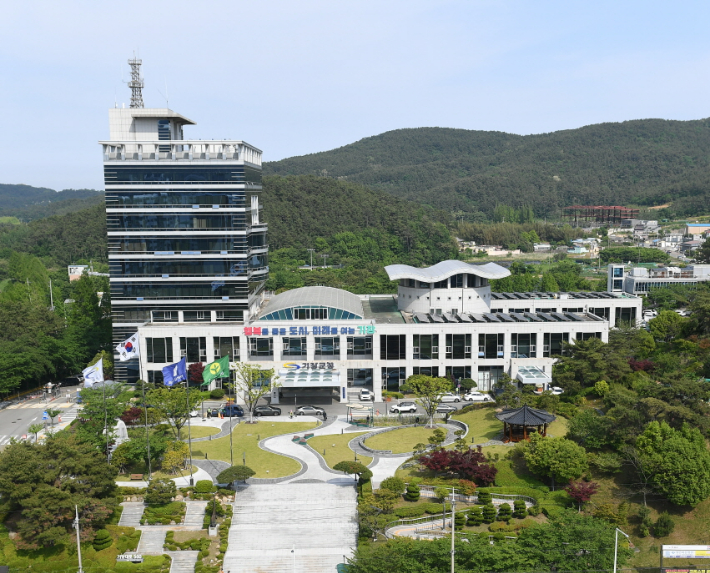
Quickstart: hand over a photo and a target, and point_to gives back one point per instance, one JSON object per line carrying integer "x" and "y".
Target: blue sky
{"x": 299, "y": 77}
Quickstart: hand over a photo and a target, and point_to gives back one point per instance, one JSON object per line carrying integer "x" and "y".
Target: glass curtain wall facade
{"x": 185, "y": 235}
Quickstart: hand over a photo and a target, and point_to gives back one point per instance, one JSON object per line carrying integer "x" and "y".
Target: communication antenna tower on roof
{"x": 136, "y": 83}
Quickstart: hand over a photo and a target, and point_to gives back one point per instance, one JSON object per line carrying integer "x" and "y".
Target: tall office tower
{"x": 186, "y": 240}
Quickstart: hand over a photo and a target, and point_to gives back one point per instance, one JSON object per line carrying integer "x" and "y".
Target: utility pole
{"x": 78, "y": 542}
{"x": 453, "y": 533}
{"x": 324, "y": 258}
{"x": 51, "y": 296}
{"x": 311, "y": 251}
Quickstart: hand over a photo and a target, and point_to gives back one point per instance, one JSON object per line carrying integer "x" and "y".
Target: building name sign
{"x": 686, "y": 551}
{"x": 309, "y": 366}
{"x": 366, "y": 329}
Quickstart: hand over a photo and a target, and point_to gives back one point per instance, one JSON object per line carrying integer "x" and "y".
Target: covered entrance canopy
{"x": 361, "y": 414}
{"x": 533, "y": 375}
{"x": 519, "y": 423}
{"x": 308, "y": 378}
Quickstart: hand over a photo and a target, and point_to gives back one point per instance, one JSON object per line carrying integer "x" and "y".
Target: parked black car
{"x": 267, "y": 411}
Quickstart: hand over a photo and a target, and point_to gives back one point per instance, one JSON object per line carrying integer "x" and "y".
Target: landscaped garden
{"x": 245, "y": 447}
{"x": 334, "y": 448}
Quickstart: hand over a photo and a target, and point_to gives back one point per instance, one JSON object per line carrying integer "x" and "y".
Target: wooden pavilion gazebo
{"x": 519, "y": 423}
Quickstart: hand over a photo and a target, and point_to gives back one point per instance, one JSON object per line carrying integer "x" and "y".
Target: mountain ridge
{"x": 637, "y": 161}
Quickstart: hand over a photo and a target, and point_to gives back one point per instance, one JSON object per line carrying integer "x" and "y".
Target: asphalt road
{"x": 17, "y": 418}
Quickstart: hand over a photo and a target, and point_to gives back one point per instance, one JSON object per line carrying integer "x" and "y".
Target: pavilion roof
{"x": 526, "y": 416}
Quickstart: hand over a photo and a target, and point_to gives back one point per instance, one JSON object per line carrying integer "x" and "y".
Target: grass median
{"x": 245, "y": 440}
{"x": 199, "y": 432}
{"x": 336, "y": 448}
{"x": 400, "y": 441}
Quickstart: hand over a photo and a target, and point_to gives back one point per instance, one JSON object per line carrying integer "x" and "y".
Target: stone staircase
{"x": 132, "y": 513}
{"x": 152, "y": 541}
{"x": 183, "y": 561}
{"x": 195, "y": 513}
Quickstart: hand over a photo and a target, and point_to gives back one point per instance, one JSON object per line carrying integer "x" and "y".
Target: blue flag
{"x": 174, "y": 373}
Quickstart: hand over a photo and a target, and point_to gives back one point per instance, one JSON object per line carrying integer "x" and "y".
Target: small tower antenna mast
{"x": 136, "y": 83}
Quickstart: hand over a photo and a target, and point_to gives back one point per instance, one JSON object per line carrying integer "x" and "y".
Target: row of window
{"x": 311, "y": 313}
{"x": 178, "y": 267}
{"x": 161, "y": 290}
{"x": 114, "y": 175}
{"x": 148, "y": 199}
{"x": 393, "y": 347}
{"x": 171, "y": 222}
{"x": 177, "y": 245}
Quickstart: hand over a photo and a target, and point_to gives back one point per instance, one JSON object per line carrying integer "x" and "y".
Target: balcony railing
{"x": 219, "y": 150}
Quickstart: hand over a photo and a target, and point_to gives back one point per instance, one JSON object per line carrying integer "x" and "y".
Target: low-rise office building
{"x": 327, "y": 344}
{"x": 640, "y": 280}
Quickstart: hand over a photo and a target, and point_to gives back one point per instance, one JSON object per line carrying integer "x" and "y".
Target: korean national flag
{"x": 128, "y": 348}
{"x": 174, "y": 373}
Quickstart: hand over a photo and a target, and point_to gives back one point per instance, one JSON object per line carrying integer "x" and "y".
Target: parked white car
{"x": 474, "y": 396}
{"x": 449, "y": 397}
{"x": 556, "y": 390}
{"x": 404, "y": 407}
{"x": 365, "y": 395}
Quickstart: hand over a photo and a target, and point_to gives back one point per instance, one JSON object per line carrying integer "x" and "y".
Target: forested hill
{"x": 646, "y": 161}
{"x": 299, "y": 210}
{"x": 28, "y": 203}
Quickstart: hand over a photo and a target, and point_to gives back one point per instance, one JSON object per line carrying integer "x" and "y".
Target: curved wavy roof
{"x": 316, "y": 296}
{"x": 444, "y": 270}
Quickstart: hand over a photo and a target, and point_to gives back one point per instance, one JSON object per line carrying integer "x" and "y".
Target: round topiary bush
{"x": 217, "y": 394}
{"x": 102, "y": 540}
{"x": 204, "y": 486}
{"x": 489, "y": 513}
{"x": 484, "y": 497}
{"x": 504, "y": 512}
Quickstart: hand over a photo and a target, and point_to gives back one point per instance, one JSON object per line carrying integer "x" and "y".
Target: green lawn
{"x": 482, "y": 424}
{"x": 400, "y": 441}
{"x": 336, "y": 448}
{"x": 200, "y": 432}
{"x": 245, "y": 438}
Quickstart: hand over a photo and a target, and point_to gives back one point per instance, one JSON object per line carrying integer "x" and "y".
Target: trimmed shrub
{"x": 217, "y": 394}
{"x": 489, "y": 513}
{"x": 160, "y": 492}
{"x": 204, "y": 486}
{"x": 519, "y": 509}
{"x": 459, "y": 520}
{"x": 504, "y": 512}
{"x": 475, "y": 516}
{"x": 409, "y": 511}
{"x": 394, "y": 484}
{"x": 484, "y": 497}
{"x": 413, "y": 492}
{"x": 102, "y": 540}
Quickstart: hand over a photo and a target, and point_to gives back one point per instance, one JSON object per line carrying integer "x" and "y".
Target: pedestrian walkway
{"x": 132, "y": 513}
{"x": 152, "y": 541}
{"x": 183, "y": 561}
{"x": 182, "y": 481}
{"x": 299, "y": 528}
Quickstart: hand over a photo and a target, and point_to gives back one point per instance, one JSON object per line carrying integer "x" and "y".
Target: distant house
{"x": 542, "y": 247}
{"x": 576, "y": 250}
{"x": 696, "y": 230}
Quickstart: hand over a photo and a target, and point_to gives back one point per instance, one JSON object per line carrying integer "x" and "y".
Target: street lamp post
{"x": 616, "y": 544}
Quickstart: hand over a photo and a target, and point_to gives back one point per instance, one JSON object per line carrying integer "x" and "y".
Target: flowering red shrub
{"x": 132, "y": 416}
{"x": 470, "y": 465}
{"x": 645, "y": 365}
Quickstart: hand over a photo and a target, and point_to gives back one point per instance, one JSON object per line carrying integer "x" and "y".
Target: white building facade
{"x": 327, "y": 344}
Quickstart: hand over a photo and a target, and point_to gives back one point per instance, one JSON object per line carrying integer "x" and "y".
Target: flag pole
{"x": 145, "y": 410}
